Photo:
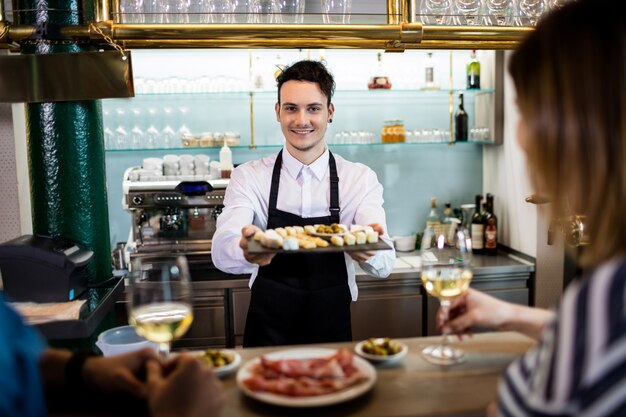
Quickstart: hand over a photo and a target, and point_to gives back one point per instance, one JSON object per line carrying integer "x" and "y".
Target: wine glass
{"x": 435, "y": 11}
{"x": 467, "y": 10}
{"x": 446, "y": 273}
{"x": 531, "y": 11}
{"x": 159, "y": 300}
{"x": 499, "y": 11}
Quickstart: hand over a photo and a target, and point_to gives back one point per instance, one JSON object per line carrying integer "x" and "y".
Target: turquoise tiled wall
{"x": 410, "y": 175}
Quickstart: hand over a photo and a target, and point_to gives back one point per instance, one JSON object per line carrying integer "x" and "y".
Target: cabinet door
{"x": 387, "y": 311}
{"x": 240, "y": 303}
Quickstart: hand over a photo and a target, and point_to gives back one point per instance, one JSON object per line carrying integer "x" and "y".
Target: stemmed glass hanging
{"x": 435, "y": 11}
{"x": 466, "y": 11}
{"x": 531, "y": 11}
{"x": 499, "y": 11}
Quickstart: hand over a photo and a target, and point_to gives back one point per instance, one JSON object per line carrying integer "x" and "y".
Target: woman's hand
{"x": 184, "y": 387}
{"x": 119, "y": 373}
{"x": 475, "y": 308}
{"x": 260, "y": 259}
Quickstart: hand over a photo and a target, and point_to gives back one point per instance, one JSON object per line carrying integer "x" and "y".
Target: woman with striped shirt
{"x": 570, "y": 77}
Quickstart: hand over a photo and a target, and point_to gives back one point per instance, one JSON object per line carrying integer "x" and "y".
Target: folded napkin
{"x": 35, "y": 313}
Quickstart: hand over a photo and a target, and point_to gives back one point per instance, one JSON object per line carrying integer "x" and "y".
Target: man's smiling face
{"x": 303, "y": 114}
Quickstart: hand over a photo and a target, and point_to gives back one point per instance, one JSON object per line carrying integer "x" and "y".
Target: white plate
{"x": 317, "y": 401}
{"x": 380, "y": 358}
{"x": 226, "y": 369}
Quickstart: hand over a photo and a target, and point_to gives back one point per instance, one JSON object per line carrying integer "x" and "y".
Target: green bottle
{"x": 473, "y": 72}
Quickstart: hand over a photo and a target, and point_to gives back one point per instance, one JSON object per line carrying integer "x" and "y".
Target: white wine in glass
{"x": 160, "y": 306}
{"x": 446, "y": 274}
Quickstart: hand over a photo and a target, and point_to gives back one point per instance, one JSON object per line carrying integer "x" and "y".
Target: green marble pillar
{"x": 66, "y": 148}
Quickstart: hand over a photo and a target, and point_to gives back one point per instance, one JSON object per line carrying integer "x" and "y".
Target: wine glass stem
{"x": 164, "y": 350}
{"x": 445, "y": 312}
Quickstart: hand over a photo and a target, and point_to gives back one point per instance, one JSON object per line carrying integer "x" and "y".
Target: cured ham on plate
{"x": 306, "y": 377}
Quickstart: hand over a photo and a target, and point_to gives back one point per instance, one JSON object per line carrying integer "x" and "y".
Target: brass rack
{"x": 400, "y": 33}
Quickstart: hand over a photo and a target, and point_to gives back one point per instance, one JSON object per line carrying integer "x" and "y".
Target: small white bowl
{"x": 124, "y": 339}
{"x": 404, "y": 243}
{"x": 388, "y": 359}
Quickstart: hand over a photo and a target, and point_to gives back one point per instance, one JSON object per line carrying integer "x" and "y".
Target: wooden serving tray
{"x": 256, "y": 247}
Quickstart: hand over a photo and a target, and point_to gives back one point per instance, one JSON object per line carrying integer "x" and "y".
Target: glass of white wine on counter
{"x": 446, "y": 273}
{"x": 159, "y": 299}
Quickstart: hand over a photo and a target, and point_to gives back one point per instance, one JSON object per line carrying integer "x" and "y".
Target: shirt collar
{"x": 294, "y": 167}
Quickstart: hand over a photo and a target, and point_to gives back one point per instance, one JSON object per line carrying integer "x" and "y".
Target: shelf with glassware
{"x": 429, "y": 12}
{"x": 186, "y": 121}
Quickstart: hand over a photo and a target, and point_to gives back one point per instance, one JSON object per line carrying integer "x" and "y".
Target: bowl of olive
{"x": 223, "y": 361}
{"x": 381, "y": 349}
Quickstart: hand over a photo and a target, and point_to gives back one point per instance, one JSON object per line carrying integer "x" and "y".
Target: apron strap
{"x": 334, "y": 186}
{"x": 275, "y": 181}
{"x": 334, "y": 189}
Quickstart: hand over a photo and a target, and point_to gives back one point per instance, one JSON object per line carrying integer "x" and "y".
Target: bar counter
{"x": 413, "y": 387}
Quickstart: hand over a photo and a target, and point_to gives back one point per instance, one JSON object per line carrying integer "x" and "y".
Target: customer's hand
{"x": 474, "y": 308}
{"x": 184, "y": 387}
{"x": 119, "y": 373}
{"x": 261, "y": 259}
{"x": 364, "y": 256}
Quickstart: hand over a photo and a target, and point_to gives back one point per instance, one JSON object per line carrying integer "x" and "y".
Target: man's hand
{"x": 260, "y": 259}
{"x": 364, "y": 256}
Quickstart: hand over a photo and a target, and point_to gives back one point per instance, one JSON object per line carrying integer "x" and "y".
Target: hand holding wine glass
{"x": 446, "y": 274}
{"x": 160, "y": 306}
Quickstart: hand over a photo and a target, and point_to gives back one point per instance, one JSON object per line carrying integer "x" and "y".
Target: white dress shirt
{"x": 300, "y": 190}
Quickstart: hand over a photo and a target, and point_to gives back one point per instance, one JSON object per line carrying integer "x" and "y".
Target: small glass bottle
{"x": 226, "y": 161}
{"x": 473, "y": 72}
{"x": 431, "y": 78}
{"x": 379, "y": 80}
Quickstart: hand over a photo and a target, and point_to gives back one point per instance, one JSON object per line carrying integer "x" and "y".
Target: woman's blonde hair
{"x": 570, "y": 77}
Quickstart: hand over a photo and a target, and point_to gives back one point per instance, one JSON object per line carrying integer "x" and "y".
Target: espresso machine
{"x": 173, "y": 216}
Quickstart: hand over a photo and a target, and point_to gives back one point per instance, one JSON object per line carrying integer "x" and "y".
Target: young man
{"x": 300, "y": 298}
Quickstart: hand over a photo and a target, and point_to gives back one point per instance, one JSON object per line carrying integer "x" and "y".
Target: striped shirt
{"x": 579, "y": 366}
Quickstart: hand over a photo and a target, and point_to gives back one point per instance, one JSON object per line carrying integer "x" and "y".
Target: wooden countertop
{"x": 414, "y": 387}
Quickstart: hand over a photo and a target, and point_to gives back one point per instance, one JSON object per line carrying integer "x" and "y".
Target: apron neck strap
{"x": 334, "y": 185}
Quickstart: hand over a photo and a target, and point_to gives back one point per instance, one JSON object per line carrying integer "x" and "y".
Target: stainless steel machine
{"x": 173, "y": 215}
{"x": 179, "y": 216}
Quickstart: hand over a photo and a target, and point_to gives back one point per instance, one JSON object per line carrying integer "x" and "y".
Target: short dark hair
{"x": 312, "y": 71}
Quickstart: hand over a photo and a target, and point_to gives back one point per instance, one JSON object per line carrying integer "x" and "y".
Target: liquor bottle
{"x": 431, "y": 81}
{"x": 379, "y": 80}
{"x": 491, "y": 228}
{"x": 478, "y": 228}
{"x": 473, "y": 72}
{"x": 433, "y": 220}
{"x": 460, "y": 122}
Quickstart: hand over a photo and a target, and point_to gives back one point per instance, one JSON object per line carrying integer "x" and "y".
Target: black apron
{"x": 300, "y": 298}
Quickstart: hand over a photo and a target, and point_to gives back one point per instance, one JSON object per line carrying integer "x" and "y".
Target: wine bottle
{"x": 433, "y": 220}
{"x": 460, "y": 122}
{"x": 473, "y": 72}
{"x": 478, "y": 227}
{"x": 491, "y": 228}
